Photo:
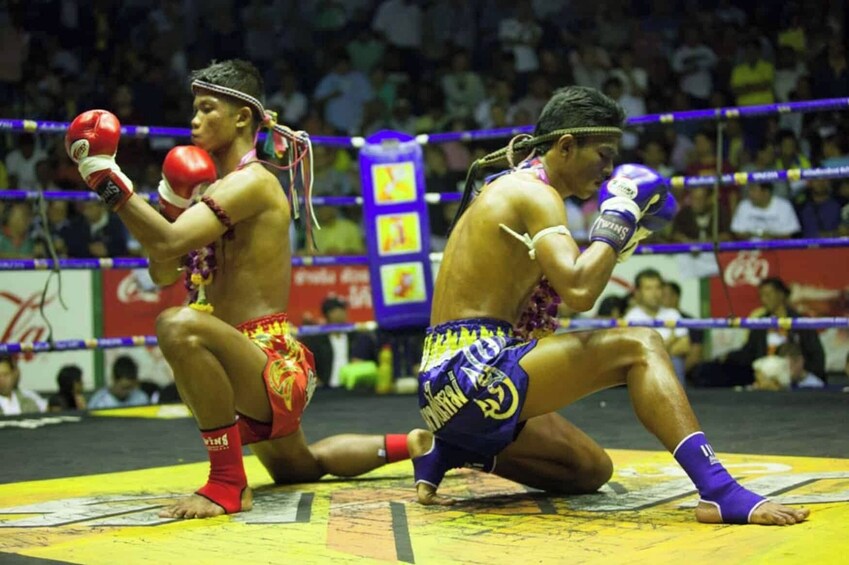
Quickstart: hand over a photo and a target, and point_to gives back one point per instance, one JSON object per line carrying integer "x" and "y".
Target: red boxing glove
{"x": 185, "y": 171}
{"x": 92, "y": 142}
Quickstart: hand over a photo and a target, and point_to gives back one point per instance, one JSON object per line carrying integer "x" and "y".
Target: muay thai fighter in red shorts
{"x": 245, "y": 379}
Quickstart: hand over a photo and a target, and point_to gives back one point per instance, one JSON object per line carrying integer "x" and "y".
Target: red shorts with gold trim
{"x": 289, "y": 377}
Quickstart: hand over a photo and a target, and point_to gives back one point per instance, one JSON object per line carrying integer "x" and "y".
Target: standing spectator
{"x": 521, "y": 35}
{"x": 400, "y": 23}
{"x": 13, "y": 399}
{"x": 590, "y": 65}
{"x": 366, "y": 51}
{"x": 95, "y": 232}
{"x": 632, "y": 105}
{"x": 654, "y": 153}
{"x": 462, "y": 87}
{"x": 831, "y": 78}
{"x": 788, "y": 70}
{"x": 820, "y": 212}
{"x": 14, "y": 52}
{"x": 752, "y": 80}
{"x": 694, "y": 61}
{"x": 125, "y": 389}
{"x": 635, "y": 79}
{"x": 45, "y": 172}
{"x": 703, "y": 163}
{"x": 343, "y": 92}
{"x": 70, "y": 395}
{"x": 289, "y": 101}
{"x": 21, "y": 162}
{"x": 648, "y": 296}
{"x": 764, "y": 216}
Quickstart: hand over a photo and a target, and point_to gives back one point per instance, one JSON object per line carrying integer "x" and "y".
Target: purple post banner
{"x": 397, "y": 229}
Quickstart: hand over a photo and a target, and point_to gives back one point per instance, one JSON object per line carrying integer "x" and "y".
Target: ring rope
{"x": 735, "y": 112}
{"x": 574, "y": 324}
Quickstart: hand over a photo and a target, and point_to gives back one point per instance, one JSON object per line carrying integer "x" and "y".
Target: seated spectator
{"x": 95, "y": 232}
{"x": 790, "y": 156}
{"x": 125, "y": 389}
{"x": 21, "y": 162}
{"x": 736, "y": 368}
{"x": 799, "y": 377}
{"x": 342, "y": 356}
{"x": 819, "y": 214}
{"x": 764, "y": 216}
{"x": 13, "y": 399}
{"x": 694, "y": 221}
{"x": 15, "y": 238}
{"x": 70, "y": 395}
{"x": 772, "y": 373}
{"x": 671, "y": 299}
{"x": 611, "y": 307}
{"x": 648, "y": 296}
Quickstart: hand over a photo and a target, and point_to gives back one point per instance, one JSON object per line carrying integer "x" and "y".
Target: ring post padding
{"x": 397, "y": 229}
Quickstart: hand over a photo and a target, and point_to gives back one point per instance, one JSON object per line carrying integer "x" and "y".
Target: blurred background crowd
{"x": 354, "y": 67}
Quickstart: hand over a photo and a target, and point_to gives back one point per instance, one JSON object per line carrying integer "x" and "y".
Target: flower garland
{"x": 539, "y": 318}
{"x": 200, "y": 267}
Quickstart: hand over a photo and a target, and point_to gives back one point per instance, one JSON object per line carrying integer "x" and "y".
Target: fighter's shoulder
{"x": 526, "y": 191}
{"x": 254, "y": 179}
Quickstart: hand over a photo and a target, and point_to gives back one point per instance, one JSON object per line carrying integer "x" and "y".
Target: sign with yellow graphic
{"x": 394, "y": 183}
{"x": 402, "y": 283}
{"x": 644, "y": 515}
{"x": 398, "y": 234}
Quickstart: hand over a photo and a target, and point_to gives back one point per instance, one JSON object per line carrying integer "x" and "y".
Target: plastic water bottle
{"x": 384, "y": 370}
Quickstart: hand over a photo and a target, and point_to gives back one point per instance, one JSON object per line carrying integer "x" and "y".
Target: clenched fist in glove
{"x": 631, "y": 203}
{"x": 92, "y": 142}
{"x": 185, "y": 172}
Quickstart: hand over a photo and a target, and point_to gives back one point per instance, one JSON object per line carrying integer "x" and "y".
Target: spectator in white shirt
{"x": 521, "y": 35}
{"x": 694, "y": 62}
{"x": 799, "y": 376}
{"x": 648, "y": 297}
{"x": 13, "y": 399}
{"x": 764, "y": 216}
{"x": 21, "y": 162}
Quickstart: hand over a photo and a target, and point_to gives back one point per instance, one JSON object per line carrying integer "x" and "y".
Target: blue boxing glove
{"x": 632, "y": 192}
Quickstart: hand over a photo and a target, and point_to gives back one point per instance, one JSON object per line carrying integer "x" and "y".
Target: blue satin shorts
{"x": 471, "y": 386}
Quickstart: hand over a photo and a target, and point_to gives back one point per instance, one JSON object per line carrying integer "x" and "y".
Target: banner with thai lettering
{"x": 311, "y": 285}
{"x": 819, "y": 286}
{"x": 20, "y": 320}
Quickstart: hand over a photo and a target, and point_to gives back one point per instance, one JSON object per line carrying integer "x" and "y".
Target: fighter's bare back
{"x": 497, "y": 274}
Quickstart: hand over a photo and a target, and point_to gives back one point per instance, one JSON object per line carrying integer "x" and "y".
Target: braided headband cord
{"x": 283, "y": 142}
{"x": 522, "y": 142}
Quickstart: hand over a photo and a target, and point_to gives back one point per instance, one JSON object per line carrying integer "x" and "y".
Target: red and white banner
{"x": 20, "y": 320}
{"x": 131, "y": 302}
{"x": 819, "y": 286}
{"x": 311, "y": 285}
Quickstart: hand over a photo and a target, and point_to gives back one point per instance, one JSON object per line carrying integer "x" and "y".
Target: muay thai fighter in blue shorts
{"x": 491, "y": 382}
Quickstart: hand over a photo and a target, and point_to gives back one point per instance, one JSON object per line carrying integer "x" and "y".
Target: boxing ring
{"x": 85, "y": 487}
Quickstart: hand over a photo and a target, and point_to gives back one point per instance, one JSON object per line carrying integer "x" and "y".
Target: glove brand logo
{"x": 622, "y": 186}
{"x": 748, "y": 268}
{"x": 79, "y": 150}
{"x": 616, "y": 228}
{"x": 219, "y": 443}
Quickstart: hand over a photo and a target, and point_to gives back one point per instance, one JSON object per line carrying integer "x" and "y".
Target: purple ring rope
{"x": 738, "y": 178}
{"x": 18, "y": 125}
{"x": 576, "y": 324}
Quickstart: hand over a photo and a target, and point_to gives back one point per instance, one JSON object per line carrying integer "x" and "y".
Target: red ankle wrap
{"x": 227, "y": 477}
{"x": 396, "y": 447}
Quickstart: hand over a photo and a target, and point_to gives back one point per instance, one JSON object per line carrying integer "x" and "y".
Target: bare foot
{"x": 420, "y": 442}
{"x": 767, "y": 514}
{"x": 197, "y": 506}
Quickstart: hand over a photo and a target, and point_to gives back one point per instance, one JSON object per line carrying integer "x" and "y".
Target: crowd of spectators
{"x": 354, "y": 67}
